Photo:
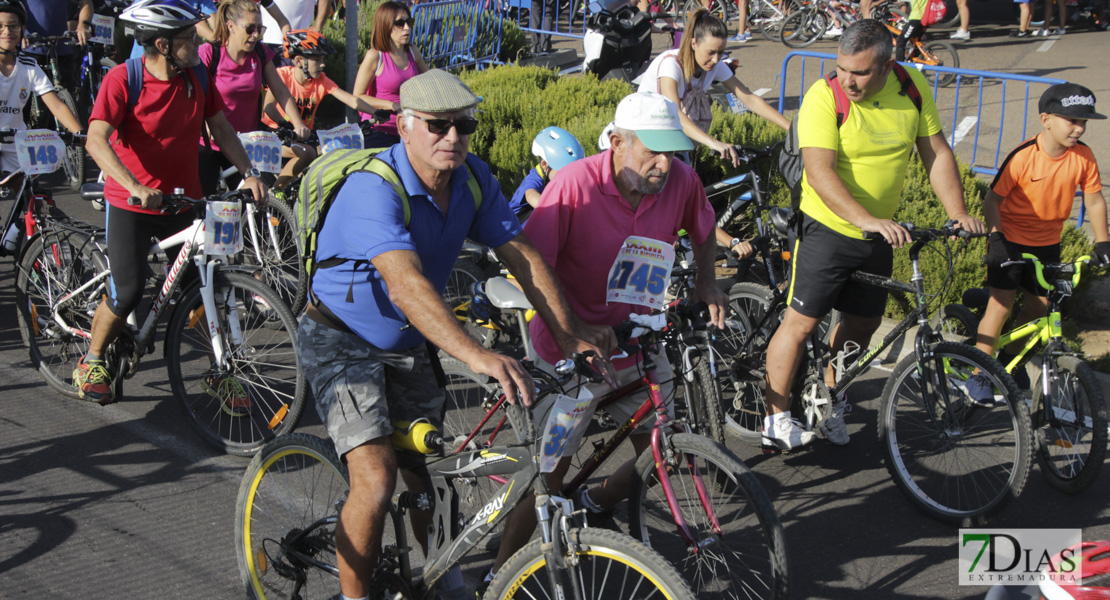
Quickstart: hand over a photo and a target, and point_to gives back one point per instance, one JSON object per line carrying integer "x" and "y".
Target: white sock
{"x": 489, "y": 576}
{"x": 343, "y": 597}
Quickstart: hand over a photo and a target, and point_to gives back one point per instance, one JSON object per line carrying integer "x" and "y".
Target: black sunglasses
{"x": 250, "y": 29}
{"x": 465, "y": 125}
{"x": 411, "y": 22}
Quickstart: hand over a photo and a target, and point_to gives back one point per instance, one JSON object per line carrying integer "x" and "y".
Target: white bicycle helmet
{"x": 147, "y": 20}
{"x": 558, "y": 147}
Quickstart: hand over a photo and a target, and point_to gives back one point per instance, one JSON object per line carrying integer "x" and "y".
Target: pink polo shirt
{"x": 581, "y": 223}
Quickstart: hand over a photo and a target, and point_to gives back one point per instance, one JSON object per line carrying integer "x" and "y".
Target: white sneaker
{"x": 961, "y": 34}
{"x": 833, "y": 428}
{"x": 832, "y": 32}
{"x": 787, "y": 434}
{"x": 1059, "y": 31}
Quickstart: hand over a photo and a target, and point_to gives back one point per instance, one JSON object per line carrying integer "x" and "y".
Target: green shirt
{"x": 873, "y": 146}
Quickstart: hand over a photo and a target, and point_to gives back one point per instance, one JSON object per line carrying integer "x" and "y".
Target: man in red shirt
{"x": 147, "y": 147}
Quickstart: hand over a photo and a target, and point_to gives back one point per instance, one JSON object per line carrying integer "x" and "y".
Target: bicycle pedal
{"x": 769, "y": 448}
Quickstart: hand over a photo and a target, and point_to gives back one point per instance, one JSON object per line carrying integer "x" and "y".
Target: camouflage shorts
{"x": 360, "y": 389}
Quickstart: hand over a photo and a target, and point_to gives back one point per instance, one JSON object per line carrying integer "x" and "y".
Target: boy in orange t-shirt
{"x": 1027, "y": 206}
{"x": 308, "y": 85}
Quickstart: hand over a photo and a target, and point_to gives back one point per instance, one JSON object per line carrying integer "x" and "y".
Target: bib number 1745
{"x": 643, "y": 277}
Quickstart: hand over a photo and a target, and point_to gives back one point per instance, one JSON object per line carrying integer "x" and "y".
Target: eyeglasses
{"x": 400, "y": 23}
{"x": 252, "y": 28}
{"x": 465, "y": 125}
{"x": 193, "y": 39}
{"x": 12, "y": 27}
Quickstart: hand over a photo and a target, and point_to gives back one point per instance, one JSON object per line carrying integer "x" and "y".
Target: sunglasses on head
{"x": 465, "y": 125}
{"x": 402, "y": 22}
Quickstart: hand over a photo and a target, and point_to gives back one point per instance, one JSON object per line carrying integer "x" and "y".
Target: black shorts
{"x": 1012, "y": 276}
{"x": 822, "y": 263}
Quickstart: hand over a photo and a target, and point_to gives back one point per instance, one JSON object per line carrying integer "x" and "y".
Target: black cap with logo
{"x": 1069, "y": 100}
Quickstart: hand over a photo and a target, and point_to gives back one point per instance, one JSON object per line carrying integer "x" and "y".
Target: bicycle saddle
{"x": 503, "y": 294}
{"x": 780, "y": 218}
{"x": 92, "y": 191}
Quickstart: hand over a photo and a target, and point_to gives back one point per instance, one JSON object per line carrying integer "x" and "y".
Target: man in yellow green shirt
{"x": 852, "y": 184}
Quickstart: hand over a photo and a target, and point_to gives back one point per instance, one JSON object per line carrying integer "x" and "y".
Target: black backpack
{"x": 790, "y": 157}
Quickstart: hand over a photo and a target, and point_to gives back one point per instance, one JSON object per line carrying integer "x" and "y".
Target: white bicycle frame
{"x": 191, "y": 240}
{"x": 252, "y": 228}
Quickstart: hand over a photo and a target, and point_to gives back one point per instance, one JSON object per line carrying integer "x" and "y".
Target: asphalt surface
{"x": 125, "y": 501}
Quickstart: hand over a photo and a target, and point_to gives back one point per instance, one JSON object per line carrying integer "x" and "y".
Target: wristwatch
{"x": 733, "y": 243}
{"x": 253, "y": 172}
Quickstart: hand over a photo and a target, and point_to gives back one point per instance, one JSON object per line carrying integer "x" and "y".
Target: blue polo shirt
{"x": 367, "y": 219}
{"x": 534, "y": 181}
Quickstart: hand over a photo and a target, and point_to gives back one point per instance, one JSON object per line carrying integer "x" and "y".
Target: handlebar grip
{"x": 134, "y": 201}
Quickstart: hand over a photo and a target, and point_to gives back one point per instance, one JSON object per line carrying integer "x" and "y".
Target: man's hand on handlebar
{"x": 893, "y": 233}
{"x": 969, "y": 223}
{"x": 600, "y": 341}
{"x": 727, "y": 152}
{"x": 514, "y": 379}
{"x": 303, "y": 133}
{"x": 149, "y": 198}
{"x": 257, "y": 190}
{"x": 715, "y": 299}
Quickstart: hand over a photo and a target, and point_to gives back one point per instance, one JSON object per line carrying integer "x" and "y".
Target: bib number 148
{"x": 642, "y": 277}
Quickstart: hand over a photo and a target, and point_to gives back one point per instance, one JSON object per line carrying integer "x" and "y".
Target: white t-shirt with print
{"x": 15, "y": 90}
{"x": 667, "y": 65}
{"x": 299, "y": 13}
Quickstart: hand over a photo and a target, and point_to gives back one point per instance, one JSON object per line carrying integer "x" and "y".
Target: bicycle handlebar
{"x": 923, "y": 234}
{"x": 1058, "y": 271}
{"x": 178, "y": 202}
{"x": 751, "y": 154}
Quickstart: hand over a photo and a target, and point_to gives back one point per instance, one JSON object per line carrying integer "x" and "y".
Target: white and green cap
{"x": 655, "y": 120}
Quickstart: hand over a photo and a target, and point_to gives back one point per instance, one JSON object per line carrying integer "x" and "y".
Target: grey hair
{"x": 867, "y": 34}
{"x": 627, "y": 135}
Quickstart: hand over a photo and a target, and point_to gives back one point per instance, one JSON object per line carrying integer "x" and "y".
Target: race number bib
{"x": 39, "y": 150}
{"x": 641, "y": 272}
{"x": 103, "y": 28}
{"x": 346, "y": 136}
{"x": 222, "y": 231}
{"x": 566, "y": 415}
{"x": 264, "y": 150}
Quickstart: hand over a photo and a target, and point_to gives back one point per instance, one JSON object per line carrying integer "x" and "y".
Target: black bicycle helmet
{"x": 147, "y": 20}
{"x": 15, "y": 7}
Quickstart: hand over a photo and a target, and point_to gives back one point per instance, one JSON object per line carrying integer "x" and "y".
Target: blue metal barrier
{"x": 546, "y": 17}
{"x": 950, "y": 101}
{"x": 457, "y": 33}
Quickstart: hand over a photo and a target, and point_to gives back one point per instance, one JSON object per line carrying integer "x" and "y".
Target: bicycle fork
{"x": 559, "y": 547}
{"x": 220, "y": 357}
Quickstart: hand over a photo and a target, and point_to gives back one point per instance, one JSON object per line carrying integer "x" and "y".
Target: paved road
{"x": 125, "y": 502}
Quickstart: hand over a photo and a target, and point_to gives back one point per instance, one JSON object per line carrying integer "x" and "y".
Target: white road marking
{"x": 961, "y": 130}
{"x": 761, "y": 91}
{"x": 1048, "y": 44}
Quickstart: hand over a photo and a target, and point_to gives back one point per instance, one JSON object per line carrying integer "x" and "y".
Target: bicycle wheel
{"x": 609, "y": 565}
{"x": 1071, "y": 434}
{"x": 739, "y": 551}
{"x": 743, "y": 379}
{"x": 802, "y": 28}
{"x": 74, "y": 152}
{"x": 277, "y": 251}
{"x": 261, "y": 392}
{"x": 939, "y": 54}
{"x": 86, "y": 97}
{"x": 957, "y": 461}
{"x": 54, "y": 264}
{"x": 706, "y": 393}
{"x": 293, "y": 486}
{"x": 956, "y": 323}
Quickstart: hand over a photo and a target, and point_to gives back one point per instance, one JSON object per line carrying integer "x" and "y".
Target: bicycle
{"x": 226, "y": 335}
{"x": 290, "y": 497}
{"x": 37, "y": 113}
{"x": 958, "y": 462}
{"x": 935, "y": 54}
{"x": 28, "y": 200}
{"x": 691, "y": 498}
{"x": 1068, "y": 408}
{"x": 804, "y": 27}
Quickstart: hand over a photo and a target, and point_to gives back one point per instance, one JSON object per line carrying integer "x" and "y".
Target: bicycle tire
{"x": 707, "y": 393}
{"x": 74, "y": 151}
{"x": 55, "y": 263}
{"x": 768, "y": 16}
{"x": 938, "y": 53}
{"x": 290, "y": 484}
{"x": 1072, "y": 451}
{"x": 956, "y": 323}
{"x": 611, "y": 555}
{"x": 922, "y": 446}
{"x": 802, "y": 28}
{"x": 751, "y": 537}
{"x": 743, "y": 381}
{"x": 951, "y": 9}
{"x": 265, "y": 363}
{"x": 282, "y": 267}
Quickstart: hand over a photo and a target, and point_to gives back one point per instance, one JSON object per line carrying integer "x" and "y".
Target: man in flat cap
{"x": 362, "y": 340}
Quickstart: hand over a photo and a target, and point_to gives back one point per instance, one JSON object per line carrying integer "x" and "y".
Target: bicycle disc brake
{"x": 816, "y": 402}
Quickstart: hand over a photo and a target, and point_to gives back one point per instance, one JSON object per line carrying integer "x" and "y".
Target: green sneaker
{"x": 93, "y": 382}
{"x": 235, "y": 400}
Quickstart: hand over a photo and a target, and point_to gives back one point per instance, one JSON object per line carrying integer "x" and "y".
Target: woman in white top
{"x": 686, "y": 74}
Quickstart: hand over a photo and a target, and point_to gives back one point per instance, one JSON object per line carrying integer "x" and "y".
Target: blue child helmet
{"x": 558, "y": 147}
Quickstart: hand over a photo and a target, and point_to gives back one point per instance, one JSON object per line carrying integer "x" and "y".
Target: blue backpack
{"x": 135, "y": 79}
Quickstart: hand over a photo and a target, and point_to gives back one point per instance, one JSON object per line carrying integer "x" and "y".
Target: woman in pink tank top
{"x": 391, "y": 61}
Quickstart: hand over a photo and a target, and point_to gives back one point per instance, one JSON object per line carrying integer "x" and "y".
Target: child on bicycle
{"x": 21, "y": 74}
{"x": 1025, "y": 210}
{"x": 913, "y": 31}
{"x": 556, "y": 148}
{"x": 308, "y": 85}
